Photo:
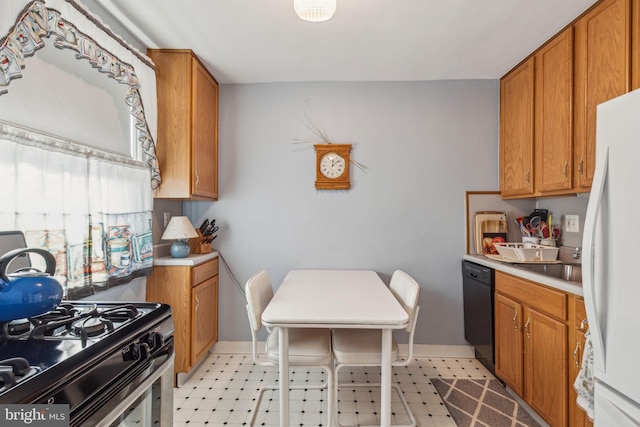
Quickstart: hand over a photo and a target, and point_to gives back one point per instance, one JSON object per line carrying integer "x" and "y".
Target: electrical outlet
{"x": 167, "y": 218}
{"x": 572, "y": 223}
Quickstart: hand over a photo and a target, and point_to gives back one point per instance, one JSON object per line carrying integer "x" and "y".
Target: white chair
{"x": 361, "y": 347}
{"x": 307, "y": 347}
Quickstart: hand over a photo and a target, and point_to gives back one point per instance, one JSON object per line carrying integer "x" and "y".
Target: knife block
{"x": 198, "y": 244}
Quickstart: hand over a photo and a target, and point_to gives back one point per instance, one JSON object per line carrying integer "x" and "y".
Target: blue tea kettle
{"x": 28, "y": 292}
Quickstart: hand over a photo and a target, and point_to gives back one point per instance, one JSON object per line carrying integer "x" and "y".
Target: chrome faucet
{"x": 577, "y": 253}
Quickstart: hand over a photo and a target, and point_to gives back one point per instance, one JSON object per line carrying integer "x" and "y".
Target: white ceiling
{"x": 254, "y": 41}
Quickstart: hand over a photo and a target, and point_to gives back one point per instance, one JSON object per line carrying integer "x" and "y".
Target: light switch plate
{"x": 572, "y": 223}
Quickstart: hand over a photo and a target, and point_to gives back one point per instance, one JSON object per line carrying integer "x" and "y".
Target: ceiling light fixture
{"x": 315, "y": 10}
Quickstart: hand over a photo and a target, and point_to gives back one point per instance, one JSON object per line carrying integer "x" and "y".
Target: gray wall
{"x": 423, "y": 144}
{"x": 562, "y": 206}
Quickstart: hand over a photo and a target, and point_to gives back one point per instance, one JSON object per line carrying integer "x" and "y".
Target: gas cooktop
{"x": 79, "y": 350}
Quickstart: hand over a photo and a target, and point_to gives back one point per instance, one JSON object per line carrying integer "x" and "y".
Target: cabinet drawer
{"x": 581, "y": 314}
{"x": 546, "y": 300}
{"x": 204, "y": 271}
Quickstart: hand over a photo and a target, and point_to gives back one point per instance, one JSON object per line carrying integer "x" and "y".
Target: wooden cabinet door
{"x": 577, "y": 417}
{"x": 187, "y": 146}
{"x": 553, "y": 114}
{"x": 602, "y": 72}
{"x": 508, "y": 342}
{"x": 545, "y": 366}
{"x": 204, "y": 314}
{"x": 516, "y": 131}
{"x": 205, "y": 133}
{"x": 173, "y": 81}
{"x": 171, "y": 285}
{"x": 635, "y": 44}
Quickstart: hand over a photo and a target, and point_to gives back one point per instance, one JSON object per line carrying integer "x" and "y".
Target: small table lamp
{"x": 179, "y": 228}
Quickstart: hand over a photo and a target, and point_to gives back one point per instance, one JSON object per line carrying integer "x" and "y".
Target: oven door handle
{"x": 121, "y": 408}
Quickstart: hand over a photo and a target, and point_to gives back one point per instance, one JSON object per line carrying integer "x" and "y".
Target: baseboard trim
{"x": 419, "y": 350}
{"x": 433, "y": 350}
{"x": 234, "y": 347}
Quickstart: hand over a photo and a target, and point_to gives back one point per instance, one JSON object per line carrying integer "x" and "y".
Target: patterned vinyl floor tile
{"x": 223, "y": 392}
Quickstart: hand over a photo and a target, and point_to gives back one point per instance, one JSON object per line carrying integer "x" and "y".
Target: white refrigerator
{"x": 611, "y": 263}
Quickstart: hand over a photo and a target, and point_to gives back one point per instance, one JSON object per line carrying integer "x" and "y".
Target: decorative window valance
{"x": 36, "y": 22}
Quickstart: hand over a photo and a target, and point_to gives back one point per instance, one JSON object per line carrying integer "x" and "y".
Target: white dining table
{"x": 335, "y": 299}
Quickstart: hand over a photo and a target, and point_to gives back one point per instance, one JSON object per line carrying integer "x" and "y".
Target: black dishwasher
{"x": 477, "y": 291}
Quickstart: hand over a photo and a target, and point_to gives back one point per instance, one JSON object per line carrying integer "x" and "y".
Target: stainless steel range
{"x": 111, "y": 362}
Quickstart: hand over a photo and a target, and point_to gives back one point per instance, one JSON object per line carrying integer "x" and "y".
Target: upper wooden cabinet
{"x": 516, "y": 131}
{"x": 587, "y": 63}
{"x": 554, "y": 114}
{"x": 187, "y": 126}
{"x": 603, "y": 72}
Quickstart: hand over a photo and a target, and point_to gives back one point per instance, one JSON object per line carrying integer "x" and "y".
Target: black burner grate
{"x": 68, "y": 321}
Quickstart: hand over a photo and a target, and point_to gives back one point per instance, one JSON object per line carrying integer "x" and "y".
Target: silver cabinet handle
{"x": 576, "y": 355}
{"x": 526, "y": 328}
{"x": 197, "y": 303}
{"x": 515, "y": 321}
{"x": 197, "y": 178}
{"x": 583, "y": 323}
{"x": 580, "y": 167}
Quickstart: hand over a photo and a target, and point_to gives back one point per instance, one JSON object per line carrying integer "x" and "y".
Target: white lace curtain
{"x": 90, "y": 209}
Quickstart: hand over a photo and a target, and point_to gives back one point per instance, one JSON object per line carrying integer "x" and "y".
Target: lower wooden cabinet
{"x": 204, "y": 303}
{"x": 545, "y": 366}
{"x": 192, "y": 293}
{"x": 508, "y": 338}
{"x": 577, "y": 417}
{"x": 531, "y": 342}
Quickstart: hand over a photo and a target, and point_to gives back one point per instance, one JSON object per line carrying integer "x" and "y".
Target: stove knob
{"x": 136, "y": 351}
{"x": 7, "y": 377}
{"x": 131, "y": 353}
{"x": 155, "y": 340}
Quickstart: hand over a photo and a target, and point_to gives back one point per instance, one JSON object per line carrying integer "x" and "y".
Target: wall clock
{"x": 332, "y": 166}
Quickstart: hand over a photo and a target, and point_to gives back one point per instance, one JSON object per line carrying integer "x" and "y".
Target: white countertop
{"x": 193, "y": 259}
{"x": 570, "y": 287}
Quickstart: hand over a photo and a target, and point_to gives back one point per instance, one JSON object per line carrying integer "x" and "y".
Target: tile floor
{"x": 223, "y": 390}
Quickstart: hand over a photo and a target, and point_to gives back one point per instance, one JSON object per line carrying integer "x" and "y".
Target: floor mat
{"x": 480, "y": 402}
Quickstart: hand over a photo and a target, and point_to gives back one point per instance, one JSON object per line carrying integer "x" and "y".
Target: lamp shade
{"x": 179, "y": 228}
{"x": 315, "y": 10}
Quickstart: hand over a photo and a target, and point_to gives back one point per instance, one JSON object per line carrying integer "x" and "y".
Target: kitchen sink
{"x": 568, "y": 272}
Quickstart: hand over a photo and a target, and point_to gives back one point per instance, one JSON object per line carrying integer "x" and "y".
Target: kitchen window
{"x": 77, "y": 155}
